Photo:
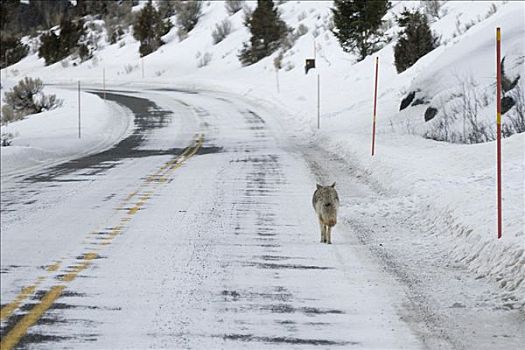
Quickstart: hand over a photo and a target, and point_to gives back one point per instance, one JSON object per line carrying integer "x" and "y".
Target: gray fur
{"x": 326, "y": 204}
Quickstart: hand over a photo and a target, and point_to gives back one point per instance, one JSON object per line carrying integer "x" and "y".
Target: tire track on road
{"x": 13, "y": 332}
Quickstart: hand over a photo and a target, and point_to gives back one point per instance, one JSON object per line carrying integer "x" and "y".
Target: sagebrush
{"x": 27, "y": 97}
{"x": 221, "y": 31}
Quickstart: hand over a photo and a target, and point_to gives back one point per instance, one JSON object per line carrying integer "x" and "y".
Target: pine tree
{"x": 357, "y": 25}
{"x": 70, "y": 33}
{"x": 415, "y": 41}
{"x": 54, "y": 48}
{"x": 11, "y": 50}
{"x": 267, "y": 31}
{"x": 149, "y": 28}
{"x": 92, "y": 7}
{"x": 49, "y": 48}
{"x": 166, "y": 8}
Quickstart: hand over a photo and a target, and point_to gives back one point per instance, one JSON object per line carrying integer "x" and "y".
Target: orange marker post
{"x": 498, "y": 123}
{"x": 375, "y": 109}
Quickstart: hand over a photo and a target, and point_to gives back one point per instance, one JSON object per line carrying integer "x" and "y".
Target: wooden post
{"x": 318, "y": 101}
{"x": 375, "y": 109}
{"x": 104, "y": 82}
{"x": 79, "y": 133}
{"x": 498, "y": 125}
{"x": 277, "y": 80}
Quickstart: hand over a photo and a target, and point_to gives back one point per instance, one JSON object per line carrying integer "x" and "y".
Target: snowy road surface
{"x": 197, "y": 231}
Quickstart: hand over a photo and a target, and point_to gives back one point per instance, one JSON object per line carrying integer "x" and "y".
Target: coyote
{"x": 326, "y": 203}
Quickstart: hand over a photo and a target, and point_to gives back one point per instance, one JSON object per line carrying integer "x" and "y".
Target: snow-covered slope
{"x": 453, "y": 184}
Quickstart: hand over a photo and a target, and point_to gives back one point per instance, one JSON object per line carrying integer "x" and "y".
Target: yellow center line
{"x": 12, "y": 306}
{"x": 76, "y": 270}
{"x": 19, "y": 330}
{"x": 26, "y": 292}
{"x": 53, "y": 267}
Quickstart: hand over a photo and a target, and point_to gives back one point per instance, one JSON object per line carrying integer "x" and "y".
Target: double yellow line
{"x": 12, "y": 338}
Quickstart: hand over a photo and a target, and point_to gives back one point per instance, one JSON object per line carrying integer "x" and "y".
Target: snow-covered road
{"x": 197, "y": 231}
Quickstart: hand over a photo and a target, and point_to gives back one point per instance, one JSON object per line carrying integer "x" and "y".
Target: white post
{"x": 79, "y": 135}
{"x": 318, "y": 101}
{"x": 142, "y": 63}
{"x": 104, "y": 82}
{"x": 277, "y": 80}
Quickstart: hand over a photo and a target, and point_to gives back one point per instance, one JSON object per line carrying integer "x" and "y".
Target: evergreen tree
{"x": 11, "y": 50}
{"x": 267, "y": 31}
{"x": 70, "y": 33}
{"x": 49, "y": 48}
{"x": 93, "y": 7}
{"x": 166, "y": 8}
{"x": 415, "y": 41}
{"x": 54, "y": 48}
{"x": 357, "y": 25}
{"x": 149, "y": 28}
{"x": 21, "y": 18}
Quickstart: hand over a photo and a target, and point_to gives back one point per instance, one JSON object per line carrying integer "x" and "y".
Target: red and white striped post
{"x": 498, "y": 123}
{"x": 375, "y": 109}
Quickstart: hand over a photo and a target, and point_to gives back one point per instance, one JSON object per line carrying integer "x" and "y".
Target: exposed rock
{"x": 430, "y": 113}
{"x": 507, "y": 103}
{"x": 419, "y": 101}
{"x": 407, "y": 100}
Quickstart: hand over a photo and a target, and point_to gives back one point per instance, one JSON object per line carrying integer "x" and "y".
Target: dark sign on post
{"x": 310, "y": 63}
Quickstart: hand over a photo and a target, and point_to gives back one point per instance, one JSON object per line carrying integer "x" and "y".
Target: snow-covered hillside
{"x": 452, "y": 184}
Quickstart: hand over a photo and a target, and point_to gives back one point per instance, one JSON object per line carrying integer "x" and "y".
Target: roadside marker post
{"x": 104, "y": 82}
{"x": 318, "y": 101}
{"x": 277, "y": 80}
{"x": 142, "y": 64}
{"x": 375, "y": 109}
{"x": 79, "y": 135}
{"x": 498, "y": 125}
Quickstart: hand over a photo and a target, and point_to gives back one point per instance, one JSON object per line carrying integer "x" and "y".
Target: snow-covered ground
{"x": 51, "y": 137}
{"x": 449, "y": 189}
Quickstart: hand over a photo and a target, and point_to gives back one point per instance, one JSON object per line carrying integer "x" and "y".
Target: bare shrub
{"x": 188, "y": 14}
{"x": 432, "y": 8}
{"x": 492, "y": 10}
{"x": 128, "y": 68}
{"x": 204, "y": 60}
{"x": 514, "y": 120}
{"x": 6, "y": 139}
{"x": 221, "y": 31}
{"x": 8, "y": 115}
{"x": 182, "y": 34}
{"x": 466, "y": 105}
{"x": 27, "y": 98}
{"x": 301, "y": 30}
{"x": 233, "y": 6}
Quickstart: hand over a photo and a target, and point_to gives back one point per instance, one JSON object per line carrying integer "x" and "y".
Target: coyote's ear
{"x": 318, "y": 186}
{"x": 333, "y": 185}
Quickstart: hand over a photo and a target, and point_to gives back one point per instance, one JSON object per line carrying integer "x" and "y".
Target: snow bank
{"x": 47, "y": 138}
